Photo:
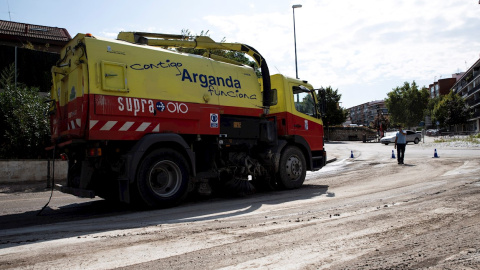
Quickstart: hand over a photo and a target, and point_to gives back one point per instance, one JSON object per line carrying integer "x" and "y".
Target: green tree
{"x": 24, "y": 130}
{"x": 335, "y": 114}
{"x": 380, "y": 120}
{"x": 452, "y": 110}
{"x": 406, "y": 104}
{"x": 428, "y": 112}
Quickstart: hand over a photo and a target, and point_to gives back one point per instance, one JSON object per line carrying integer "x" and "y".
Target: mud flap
{"x": 124, "y": 191}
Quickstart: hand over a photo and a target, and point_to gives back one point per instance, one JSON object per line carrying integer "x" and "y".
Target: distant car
{"x": 412, "y": 136}
{"x": 440, "y": 132}
{"x": 431, "y": 132}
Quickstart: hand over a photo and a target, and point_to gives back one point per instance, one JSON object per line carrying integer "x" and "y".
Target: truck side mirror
{"x": 274, "y": 97}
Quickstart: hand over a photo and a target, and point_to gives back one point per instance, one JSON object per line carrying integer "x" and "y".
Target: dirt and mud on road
{"x": 365, "y": 212}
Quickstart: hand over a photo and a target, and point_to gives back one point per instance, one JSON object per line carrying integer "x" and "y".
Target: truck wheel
{"x": 162, "y": 179}
{"x": 292, "y": 168}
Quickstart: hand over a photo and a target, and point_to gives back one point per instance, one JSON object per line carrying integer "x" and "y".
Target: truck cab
{"x": 299, "y": 115}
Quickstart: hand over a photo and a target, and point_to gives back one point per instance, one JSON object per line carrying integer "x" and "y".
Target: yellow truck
{"x": 141, "y": 122}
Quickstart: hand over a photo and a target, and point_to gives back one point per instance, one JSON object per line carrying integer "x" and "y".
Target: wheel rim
{"x": 294, "y": 168}
{"x": 165, "y": 178}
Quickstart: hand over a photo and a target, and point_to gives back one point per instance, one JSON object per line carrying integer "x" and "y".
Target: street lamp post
{"x": 295, "y": 38}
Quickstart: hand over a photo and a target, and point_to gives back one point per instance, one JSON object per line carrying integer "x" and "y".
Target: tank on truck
{"x": 203, "y": 42}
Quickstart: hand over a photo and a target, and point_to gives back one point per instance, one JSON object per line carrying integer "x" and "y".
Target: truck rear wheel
{"x": 162, "y": 179}
{"x": 293, "y": 169}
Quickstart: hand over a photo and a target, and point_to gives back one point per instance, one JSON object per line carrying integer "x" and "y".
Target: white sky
{"x": 362, "y": 48}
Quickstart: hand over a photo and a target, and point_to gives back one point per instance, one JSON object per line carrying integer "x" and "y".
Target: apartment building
{"x": 365, "y": 113}
{"x": 468, "y": 87}
{"x": 442, "y": 86}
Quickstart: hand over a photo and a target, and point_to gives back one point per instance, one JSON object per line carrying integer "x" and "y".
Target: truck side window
{"x": 304, "y": 101}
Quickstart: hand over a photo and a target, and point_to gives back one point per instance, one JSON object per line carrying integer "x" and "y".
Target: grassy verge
{"x": 471, "y": 138}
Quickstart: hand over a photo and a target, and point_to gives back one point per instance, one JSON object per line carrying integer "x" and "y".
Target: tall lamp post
{"x": 295, "y": 38}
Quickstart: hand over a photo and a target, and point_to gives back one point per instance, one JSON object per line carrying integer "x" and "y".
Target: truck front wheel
{"x": 293, "y": 169}
{"x": 162, "y": 179}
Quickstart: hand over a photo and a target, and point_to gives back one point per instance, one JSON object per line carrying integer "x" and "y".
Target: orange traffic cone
{"x": 393, "y": 154}
{"x": 435, "y": 155}
{"x": 351, "y": 154}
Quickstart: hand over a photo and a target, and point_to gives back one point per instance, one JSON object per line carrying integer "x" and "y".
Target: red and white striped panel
{"x": 97, "y": 125}
{"x": 74, "y": 123}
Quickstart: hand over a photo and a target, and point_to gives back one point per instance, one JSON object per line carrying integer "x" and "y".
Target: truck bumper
{"x": 319, "y": 161}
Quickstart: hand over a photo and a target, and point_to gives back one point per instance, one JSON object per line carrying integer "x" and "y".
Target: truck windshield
{"x": 304, "y": 101}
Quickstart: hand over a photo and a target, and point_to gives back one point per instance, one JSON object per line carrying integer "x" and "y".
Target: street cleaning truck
{"x": 141, "y": 122}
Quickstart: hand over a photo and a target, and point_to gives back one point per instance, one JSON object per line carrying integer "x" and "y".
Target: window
{"x": 304, "y": 101}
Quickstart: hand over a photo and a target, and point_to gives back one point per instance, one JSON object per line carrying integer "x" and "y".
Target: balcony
{"x": 471, "y": 102}
{"x": 476, "y": 114}
{"x": 476, "y": 101}
{"x": 473, "y": 90}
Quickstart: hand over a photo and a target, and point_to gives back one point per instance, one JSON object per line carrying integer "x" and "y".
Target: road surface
{"x": 365, "y": 212}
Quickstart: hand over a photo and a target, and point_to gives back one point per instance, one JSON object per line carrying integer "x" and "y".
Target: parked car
{"x": 412, "y": 136}
{"x": 431, "y": 132}
{"x": 441, "y": 132}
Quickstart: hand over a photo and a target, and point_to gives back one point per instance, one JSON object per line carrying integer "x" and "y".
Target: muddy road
{"x": 365, "y": 212}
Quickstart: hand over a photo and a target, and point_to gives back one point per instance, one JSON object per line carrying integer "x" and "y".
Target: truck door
{"x": 306, "y": 120}
{"x": 69, "y": 92}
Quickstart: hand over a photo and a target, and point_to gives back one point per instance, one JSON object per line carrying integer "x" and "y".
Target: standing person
{"x": 401, "y": 142}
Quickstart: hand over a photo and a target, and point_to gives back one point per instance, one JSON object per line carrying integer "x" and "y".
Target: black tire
{"x": 162, "y": 179}
{"x": 292, "y": 169}
{"x": 386, "y": 143}
{"x": 416, "y": 140}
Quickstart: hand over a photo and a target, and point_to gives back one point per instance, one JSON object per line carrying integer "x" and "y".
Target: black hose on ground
{"x": 52, "y": 185}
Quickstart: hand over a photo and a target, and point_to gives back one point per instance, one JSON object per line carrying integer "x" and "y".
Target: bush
{"x": 24, "y": 127}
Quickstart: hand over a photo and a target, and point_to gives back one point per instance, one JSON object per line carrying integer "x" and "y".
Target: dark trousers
{"x": 400, "y": 152}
